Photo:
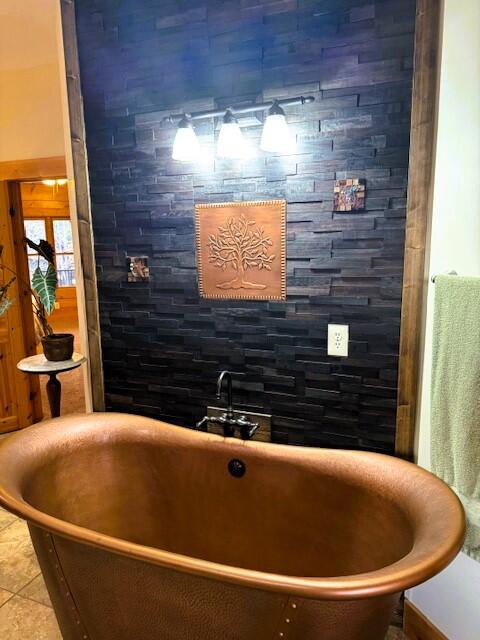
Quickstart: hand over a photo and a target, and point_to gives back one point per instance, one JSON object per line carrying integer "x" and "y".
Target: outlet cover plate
{"x": 338, "y": 340}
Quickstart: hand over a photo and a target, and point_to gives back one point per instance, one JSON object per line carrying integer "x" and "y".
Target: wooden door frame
{"x": 33, "y": 169}
{"x": 11, "y": 174}
{"x": 82, "y": 214}
{"x": 23, "y": 314}
{"x": 420, "y": 181}
{"x": 24, "y": 294}
{"x": 419, "y": 208}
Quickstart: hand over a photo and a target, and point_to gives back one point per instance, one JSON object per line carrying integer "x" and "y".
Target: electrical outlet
{"x": 338, "y": 340}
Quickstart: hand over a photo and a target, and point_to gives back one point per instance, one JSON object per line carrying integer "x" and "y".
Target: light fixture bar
{"x": 263, "y": 106}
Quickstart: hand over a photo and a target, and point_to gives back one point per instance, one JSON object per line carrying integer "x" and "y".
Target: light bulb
{"x": 230, "y": 139}
{"x": 186, "y": 147}
{"x": 276, "y": 135}
{"x": 61, "y": 182}
{"x": 49, "y": 183}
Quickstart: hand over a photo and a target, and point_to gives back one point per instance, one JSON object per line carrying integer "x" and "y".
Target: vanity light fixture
{"x": 276, "y": 136}
{"x": 186, "y": 147}
{"x": 230, "y": 139}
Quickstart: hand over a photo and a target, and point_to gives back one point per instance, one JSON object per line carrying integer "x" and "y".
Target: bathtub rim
{"x": 414, "y": 568}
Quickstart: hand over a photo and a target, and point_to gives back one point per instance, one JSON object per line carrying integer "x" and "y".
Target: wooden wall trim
{"x": 33, "y": 169}
{"x": 420, "y": 184}
{"x": 82, "y": 191}
{"x": 417, "y": 627}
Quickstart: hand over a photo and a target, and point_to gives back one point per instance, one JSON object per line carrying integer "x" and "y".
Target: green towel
{"x": 455, "y": 416}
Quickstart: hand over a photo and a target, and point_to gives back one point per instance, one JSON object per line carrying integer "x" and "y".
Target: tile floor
{"x": 25, "y": 609}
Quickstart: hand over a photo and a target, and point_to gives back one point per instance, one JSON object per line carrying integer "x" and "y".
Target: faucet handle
{"x": 247, "y": 428}
{"x": 202, "y": 425}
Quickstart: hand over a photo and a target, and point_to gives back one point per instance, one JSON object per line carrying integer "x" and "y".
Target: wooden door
{"x": 19, "y": 392}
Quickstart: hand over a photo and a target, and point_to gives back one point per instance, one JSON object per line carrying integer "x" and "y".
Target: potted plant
{"x": 43, "y": 288}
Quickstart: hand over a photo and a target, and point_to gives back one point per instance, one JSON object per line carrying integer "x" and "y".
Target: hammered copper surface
{"x": 141, "y": 526}
{"x": 241, "y": 249}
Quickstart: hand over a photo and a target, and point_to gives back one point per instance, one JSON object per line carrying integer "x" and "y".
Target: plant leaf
{"x": 45, "y": 286}
{"x": 5, "y": 305}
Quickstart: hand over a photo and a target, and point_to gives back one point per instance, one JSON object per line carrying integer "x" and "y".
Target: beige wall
{"x": 31, "y": 124}
{"x": 452, "y": 600}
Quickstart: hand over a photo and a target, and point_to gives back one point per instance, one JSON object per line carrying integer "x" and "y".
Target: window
{"x": 35, "y": 230}
{"x": 58, "y": 232}
{"x": 63, "y": 245}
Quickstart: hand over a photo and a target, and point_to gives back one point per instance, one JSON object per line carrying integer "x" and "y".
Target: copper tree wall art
{"x": 240, "y": 247}
{"x": 241, "y": 250}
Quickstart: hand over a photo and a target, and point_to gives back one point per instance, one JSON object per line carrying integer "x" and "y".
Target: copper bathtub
{"x": 142, "y": 532}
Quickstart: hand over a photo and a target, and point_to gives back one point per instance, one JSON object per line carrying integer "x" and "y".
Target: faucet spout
{"x": 228, "y": 420}
{"x": 226, "y": 375}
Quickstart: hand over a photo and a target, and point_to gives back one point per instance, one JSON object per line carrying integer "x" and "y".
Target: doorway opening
{"x": 45, "y": 215}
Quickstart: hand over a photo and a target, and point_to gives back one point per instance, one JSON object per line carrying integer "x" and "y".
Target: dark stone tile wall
{"x": 163, "y": 346}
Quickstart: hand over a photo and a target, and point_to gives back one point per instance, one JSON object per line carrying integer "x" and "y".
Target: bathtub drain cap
{"x": 236, "y": 468}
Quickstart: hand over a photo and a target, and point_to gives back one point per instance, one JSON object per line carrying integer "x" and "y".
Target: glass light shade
{"x": 230, "y": 141}
{"x": 186, "y": 147}
{"x": 276, "y": 135}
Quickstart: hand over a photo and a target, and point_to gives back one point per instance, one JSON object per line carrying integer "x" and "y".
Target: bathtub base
{"x": 99, "y": 595}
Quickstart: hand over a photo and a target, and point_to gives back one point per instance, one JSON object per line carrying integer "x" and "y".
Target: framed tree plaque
{"x": 241, "y": 250}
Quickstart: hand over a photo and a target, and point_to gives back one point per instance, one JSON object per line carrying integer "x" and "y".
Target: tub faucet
{"x": 226, "y": 375}
{"x": 228, "y": 420}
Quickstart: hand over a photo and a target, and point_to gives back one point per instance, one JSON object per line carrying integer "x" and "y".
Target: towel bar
{"x": 450, "y": 273}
